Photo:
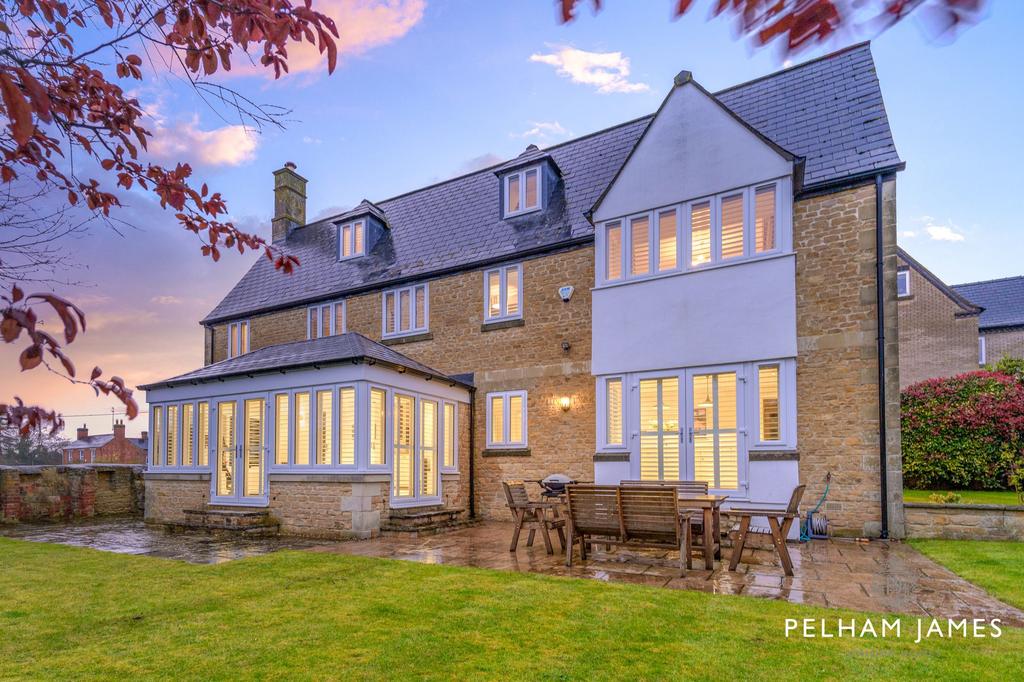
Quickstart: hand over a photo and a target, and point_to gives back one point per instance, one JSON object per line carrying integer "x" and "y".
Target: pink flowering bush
{"x": 964, "y": 432}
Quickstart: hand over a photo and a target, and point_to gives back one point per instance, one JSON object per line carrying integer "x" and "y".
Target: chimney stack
{"x": 83, "y": 432}
{"x": 145, "y": 436}
{"x": 289, "y": 202}
{"x": 119, "y": 430}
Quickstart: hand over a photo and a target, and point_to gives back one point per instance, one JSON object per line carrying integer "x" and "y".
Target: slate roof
{"x": 350, "y": 347}
{"x": 828, "y": 111}
{"x": 101, "y": 439}
{"x": 1003, "y": 300}
{"x": 967, "y": 307}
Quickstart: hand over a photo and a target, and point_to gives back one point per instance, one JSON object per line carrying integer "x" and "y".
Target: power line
{"x": 104, "y": 414}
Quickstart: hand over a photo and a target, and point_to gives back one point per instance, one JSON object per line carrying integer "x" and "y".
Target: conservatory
{"x": 327, "y": 435}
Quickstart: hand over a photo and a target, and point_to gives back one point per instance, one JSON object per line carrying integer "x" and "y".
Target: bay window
{"x": 503, "y": 293}
{"x": 735, "y": 225}
{"x": 405, "y": 311}
{"x": 326, "y": 319}
{"x": 238, "y": 338}
{"x": 506, "y": 419}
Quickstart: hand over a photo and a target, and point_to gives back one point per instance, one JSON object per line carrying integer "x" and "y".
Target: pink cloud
{"x": 231, "y": 145}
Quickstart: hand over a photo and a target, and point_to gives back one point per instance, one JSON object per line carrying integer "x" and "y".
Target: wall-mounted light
{"x": 565, "y": 402}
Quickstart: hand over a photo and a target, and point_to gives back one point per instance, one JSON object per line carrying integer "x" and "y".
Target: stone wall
{"x": 325, "y": 506}
{"x": 62, "y": 492}
{"x": 965, "y": 521}
{"x": 1004, "y": 342}
{"x": 936, "y": 338}
{"x": 169, "y": 495}
{"x": 837, "y": 362}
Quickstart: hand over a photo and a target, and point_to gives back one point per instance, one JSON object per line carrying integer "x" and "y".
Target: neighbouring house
{"x": 1001, "y": 325}
{"x": 697, "y": 294}
{"x": 938, "y": 326}
{"x": 106, "y": 448}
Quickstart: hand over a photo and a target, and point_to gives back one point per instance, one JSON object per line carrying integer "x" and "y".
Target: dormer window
{"x": 522, "y": 191}
{"x": 352, "y": 239}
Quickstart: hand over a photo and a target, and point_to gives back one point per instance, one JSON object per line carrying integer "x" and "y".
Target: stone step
{"x": 424, "y": 521}
{"x": 231, "y": 519}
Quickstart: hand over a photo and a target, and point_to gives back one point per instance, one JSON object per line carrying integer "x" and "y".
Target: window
{"x": 659, "y": 429}
{"x": 428, "y": 447}
{"x": 324, "y": 426}
{"x": 614, "y": 431}
{"x": 768, "y": 403}
{"x": 731, "y": 226}
{"x": 981, "y": 350}
{"x": 405, "y": 311}
{"x": 281, "y": 428}
{"x": 402, "y": 483}
{"x": 522, "y": 191}
{"x": 188, "y": 432}
{"x": 352, "y": 239}
{"x": 504, "y": 293}
{"x": 903, "y": 282}
{"x": 506, "y": 419}
{"x": 326, "y": 319}
{"x": 171, "y": 450}
{"x": 158, "y": 438}
{"x": 378, "y": 426}
{"x": 301, "y": 441}
{"x": 450, "y": 437}
{"x": 203, "y": 439}
{"x": 238, "y": 338}
{"x": 347, "y": 426}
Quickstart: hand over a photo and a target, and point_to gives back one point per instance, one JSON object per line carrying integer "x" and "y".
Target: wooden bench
{"x": 635, "y": 516}
{"x": 779, "y": 523}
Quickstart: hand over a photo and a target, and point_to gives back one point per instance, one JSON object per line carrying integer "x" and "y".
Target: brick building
{"x": 938, "y": 326}
{"x": 697, "y": 293}
{"x": 106, "y": 448}
{"x": 1002, "y": 322}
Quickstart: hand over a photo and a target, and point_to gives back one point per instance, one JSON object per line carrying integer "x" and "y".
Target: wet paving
{"x": 133, "y": 536}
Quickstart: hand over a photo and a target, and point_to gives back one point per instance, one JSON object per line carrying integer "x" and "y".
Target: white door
{"x": 716, "y": 434}
{"x": 415, "y": 478}
{"x": 240, "y": 433}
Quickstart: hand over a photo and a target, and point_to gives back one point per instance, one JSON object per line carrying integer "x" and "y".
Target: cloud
{"x": 479, "y": 163}
{"x": 607, "y": 71}
{"x": 165, "y": 300}
{"x": 542, "y": 130}
{"x": 940, "y": 232}
{"x": 231, "y": 145}
{"x": 908, "y": 234}
{"x": 306, "y": 139}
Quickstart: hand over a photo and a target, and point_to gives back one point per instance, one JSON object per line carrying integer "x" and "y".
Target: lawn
{"x": 996, "y": 566}
{"x": 73, "y": 613}
{"x": 1008, "y": 497}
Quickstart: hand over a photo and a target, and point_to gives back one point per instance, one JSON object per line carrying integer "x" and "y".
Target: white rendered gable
{"x": 693, "y": 147}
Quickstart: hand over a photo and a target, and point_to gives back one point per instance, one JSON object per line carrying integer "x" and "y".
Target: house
{"x": 1001, "y": 325}
{"x": 938, "y": 325}
{"x": 107, "y": 448}
{"x": 706, "y": 292}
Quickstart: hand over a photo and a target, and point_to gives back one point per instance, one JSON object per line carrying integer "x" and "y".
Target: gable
{"x": 692, "y": 148}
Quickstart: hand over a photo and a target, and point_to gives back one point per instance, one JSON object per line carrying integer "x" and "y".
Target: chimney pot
{"x": 118, "y": 430}
{"x": 289, "y": 202}
{"x": 83, "y": 432}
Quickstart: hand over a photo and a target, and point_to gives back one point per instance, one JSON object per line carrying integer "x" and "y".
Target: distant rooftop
{"x": 1003, "y": 300}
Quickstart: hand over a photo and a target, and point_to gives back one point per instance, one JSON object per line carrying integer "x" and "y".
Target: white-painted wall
{"x": 735, "y": 313}
{"x": 691, "y": 149}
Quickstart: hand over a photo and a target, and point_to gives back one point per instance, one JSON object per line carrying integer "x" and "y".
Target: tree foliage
{"x": 965, "y": 431}
{"x": 62, "y": 103}
{"x": 36, "y": 447}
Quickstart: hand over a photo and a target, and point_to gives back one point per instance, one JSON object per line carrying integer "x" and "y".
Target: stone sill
{"x": 773, "y": 456}
{"x": 450, "y": 475}
{"x": 502, "y": 324}
{"x": 177, "y": 475}
{"x": 411, "y": 338}
{"x": 611, "y": 457}
{"x": 955, "y": 507}
{"x": 302, "y": 477}
{"x": 505, "y": 452}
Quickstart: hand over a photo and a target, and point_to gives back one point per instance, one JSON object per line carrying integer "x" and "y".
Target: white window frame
{"x": 352, "y": 226}
{"x": 231, "y": 335}
{"x": 904, "y": 274}
{"x": 332, "y": 318}
{"x": 602, "y": 414}
{"x": 179, "y": 442}
{"x": 521, "y": 174}
{"x": 783, "y": 233}
{"x": 503, "y": 287}
{"x": 982, "y": 352}
{"x": 413, "y": 329}
{"x": 505, "y": 443}
{"x": 787, "y": 405}
{"x": 454, "y": 467}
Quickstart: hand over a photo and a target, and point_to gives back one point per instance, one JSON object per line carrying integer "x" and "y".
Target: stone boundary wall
{"x": 61, "y": 492}
{"x": 964, "y": 521}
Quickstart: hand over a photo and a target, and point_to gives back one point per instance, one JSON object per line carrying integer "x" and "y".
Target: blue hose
{"x": 805, "y": 527}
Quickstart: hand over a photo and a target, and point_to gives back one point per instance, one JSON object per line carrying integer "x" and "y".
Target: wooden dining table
{"x": 710, "y": 507}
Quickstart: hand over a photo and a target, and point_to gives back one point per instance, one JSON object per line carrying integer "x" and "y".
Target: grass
{"x": 1007, "y": 497}
{"x": 73, "y": 613}
{"x": 998, "y": 567}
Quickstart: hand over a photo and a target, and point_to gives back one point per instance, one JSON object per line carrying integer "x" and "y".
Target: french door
{"x": 415, "y": 478}
{"x": 240, "y": 428}
{"x": 690, "y": 426}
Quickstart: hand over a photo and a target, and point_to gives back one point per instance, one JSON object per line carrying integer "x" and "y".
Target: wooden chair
{"x": 779, "y": 523}
{"x": 639, "y": 516}
{"x": 526, "y": 512}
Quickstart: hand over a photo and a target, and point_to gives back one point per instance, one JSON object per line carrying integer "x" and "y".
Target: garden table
{"x": 711, "y": 508}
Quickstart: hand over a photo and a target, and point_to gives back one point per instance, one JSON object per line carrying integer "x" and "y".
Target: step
{"x": 250, "y": 521}
{"x": 417, "y": 521}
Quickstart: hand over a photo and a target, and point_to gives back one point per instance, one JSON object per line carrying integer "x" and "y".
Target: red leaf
{"x": 96, "y": 372}
{"x": 10, "y": 330}
{"x": 18, "y": 110}
{"x": 17, "y": 294}
{"x": 30, "y": 358}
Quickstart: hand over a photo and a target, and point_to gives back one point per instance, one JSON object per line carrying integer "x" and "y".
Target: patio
{"x": 887, "y": 577}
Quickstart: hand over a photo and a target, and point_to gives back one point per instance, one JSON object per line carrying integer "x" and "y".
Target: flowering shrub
{"x": 965, "y": 431}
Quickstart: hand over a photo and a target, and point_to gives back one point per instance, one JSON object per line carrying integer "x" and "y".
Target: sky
{"x": 429, "y": 89}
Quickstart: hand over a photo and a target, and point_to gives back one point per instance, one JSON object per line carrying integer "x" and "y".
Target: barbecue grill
{"x": 554, "y": 485}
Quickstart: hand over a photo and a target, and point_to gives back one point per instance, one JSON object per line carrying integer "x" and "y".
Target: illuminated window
{"x": 324, "y": 426}
{"x": 302, "y": 429}
{"x": 768, "y": 402}
{"x": 764, "y": 219}
{"x": 614, "y": 423}
{"x": 613, "y": 261}
{"x": 326, "y": 319}
{"x": 378, "y": 426}
{"x": 203, "y": 434}
{"x": 450, "y": 436}
{"x": 158, "y": 439}
{"x": 504, "y": 293}
{"x": 700, "y": 234}
{"x": 347, "y": 426}
{"x": 731, "y": 210}
{"x": 402, "y": 480}
{"x": 506, "y": 419}
{"x": 667, "y": 240}
{"x": 171, "y": 451}
{"x": 281, "y": 428}
{"x": 405, "y": 311}
{"x": 639, "y": 246}
{"x": 522, "y": 191}
{"x": 188, "y": 433}
{"x": 238, "y": 338}
{"x": 352, "y": 239}
{"x": 428, "y": 447}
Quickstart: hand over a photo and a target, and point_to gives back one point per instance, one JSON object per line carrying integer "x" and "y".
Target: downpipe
{"x": 883, "y": 453}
